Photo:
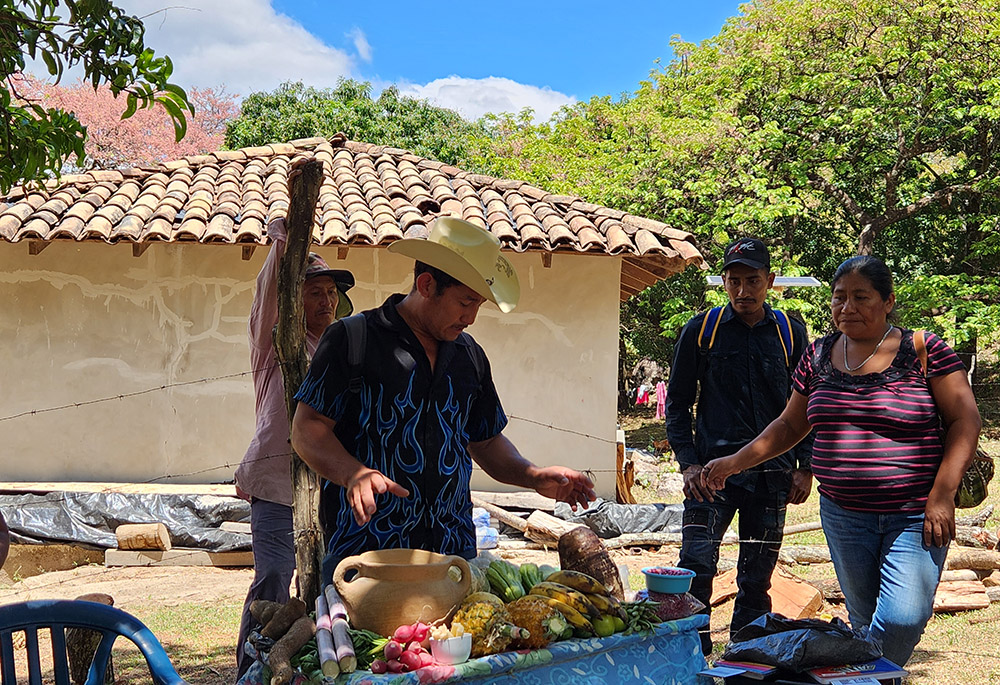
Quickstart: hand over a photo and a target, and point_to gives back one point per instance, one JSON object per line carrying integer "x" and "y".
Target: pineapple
{"x": 544, "y": 623}
{"x": 490, "y": 625}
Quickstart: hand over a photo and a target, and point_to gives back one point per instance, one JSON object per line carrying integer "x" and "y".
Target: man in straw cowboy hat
{"x": 264, "y": 475}
{"x": 396, "y": 450}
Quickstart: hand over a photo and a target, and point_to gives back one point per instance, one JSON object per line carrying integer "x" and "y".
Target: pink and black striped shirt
{"x": 878, "y": 443}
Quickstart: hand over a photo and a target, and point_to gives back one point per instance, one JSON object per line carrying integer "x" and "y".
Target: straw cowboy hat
{"x": 468, "y": 254}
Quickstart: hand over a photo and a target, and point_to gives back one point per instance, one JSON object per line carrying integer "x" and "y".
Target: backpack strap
{"x": 709, "y": 327}
{"x": 477, "y": 356}
{"x": 920, "y": 345}
{"x": 785, "y": 334}
{"x": 357, "y": 339}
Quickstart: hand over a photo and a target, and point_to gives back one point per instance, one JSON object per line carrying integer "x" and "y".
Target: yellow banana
{"x": 578, "y": 581}
{"x": 567, "y": 595}
{"x": 604, "y": 603}
{"x": 572, "y": 616}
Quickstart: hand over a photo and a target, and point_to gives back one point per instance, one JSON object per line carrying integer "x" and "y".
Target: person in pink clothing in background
{"x": 264, "y": 475}
{"x": 661, "y": 399}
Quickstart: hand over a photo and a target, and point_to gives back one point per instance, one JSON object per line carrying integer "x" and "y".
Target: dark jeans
{"x": 273, "y": 565}
{"x": 762, "y": 519}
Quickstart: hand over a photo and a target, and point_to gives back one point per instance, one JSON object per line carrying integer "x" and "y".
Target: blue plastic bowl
{"x": 668, "y": 584}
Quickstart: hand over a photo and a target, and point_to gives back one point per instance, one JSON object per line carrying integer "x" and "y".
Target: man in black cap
{"x": 741, "y": 356}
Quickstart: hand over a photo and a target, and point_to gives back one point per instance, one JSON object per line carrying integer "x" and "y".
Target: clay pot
{"x": 387, "y": 588}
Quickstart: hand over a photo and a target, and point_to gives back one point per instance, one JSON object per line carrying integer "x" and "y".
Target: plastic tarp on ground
{"x": 668, "y": 655}
{"x": 90, "y": 518}
{"x": 609, "y": 519}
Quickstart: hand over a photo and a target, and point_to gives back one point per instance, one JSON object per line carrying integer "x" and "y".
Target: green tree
{"x": 827, "y": 127}
{"x": 294, "y": 111}
{"x": 107, "y": 44}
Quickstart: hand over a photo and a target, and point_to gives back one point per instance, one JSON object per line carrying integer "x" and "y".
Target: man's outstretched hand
{"x": 565, "y": 485}
{"x": 362, "y": 489}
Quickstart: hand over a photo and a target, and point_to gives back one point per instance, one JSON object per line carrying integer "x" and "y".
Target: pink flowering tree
{"x": 145, "y": 138}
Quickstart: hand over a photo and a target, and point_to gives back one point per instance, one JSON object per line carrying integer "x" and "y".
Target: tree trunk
{"x": 290, "y": 345}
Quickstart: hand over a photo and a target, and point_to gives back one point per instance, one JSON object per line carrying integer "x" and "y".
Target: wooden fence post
{"x": 290, "y": 345}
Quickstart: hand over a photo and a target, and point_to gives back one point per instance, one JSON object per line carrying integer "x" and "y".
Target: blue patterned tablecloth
{"x": 670, "y": 655}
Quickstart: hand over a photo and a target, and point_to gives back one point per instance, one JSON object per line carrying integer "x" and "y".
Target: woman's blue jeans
{"x": 887, "y": 573}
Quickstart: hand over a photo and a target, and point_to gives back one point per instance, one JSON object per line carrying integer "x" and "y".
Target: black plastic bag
{"x": 800, "y": 644}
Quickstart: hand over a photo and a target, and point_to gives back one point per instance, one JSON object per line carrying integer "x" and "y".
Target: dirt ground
{"x": 136, "y": 586}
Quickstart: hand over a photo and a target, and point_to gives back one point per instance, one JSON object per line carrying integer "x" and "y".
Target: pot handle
{"x": 466, "y": 582}
{"x": 354, "y": 563}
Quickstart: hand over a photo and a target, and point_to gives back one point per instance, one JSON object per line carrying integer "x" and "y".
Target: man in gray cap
{"x": 737, "y": 361}
{"x": 395, "y": 440}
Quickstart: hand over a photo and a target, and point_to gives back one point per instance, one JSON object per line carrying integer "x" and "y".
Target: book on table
{"x": 879, "y": 669}
{"x": 750, "y": 669}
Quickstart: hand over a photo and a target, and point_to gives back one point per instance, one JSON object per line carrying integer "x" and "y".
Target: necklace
{"x": 869, "y": 357}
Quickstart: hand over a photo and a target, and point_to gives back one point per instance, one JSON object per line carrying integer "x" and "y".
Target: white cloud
{"x": 243, "y": 44}
{"x": 247, "y": 46}
{"x": 361, "y": 44}
{"x": 473, "y": 98}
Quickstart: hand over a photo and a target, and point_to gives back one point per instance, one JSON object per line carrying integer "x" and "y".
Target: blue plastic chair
{"x": 57, "y": 615}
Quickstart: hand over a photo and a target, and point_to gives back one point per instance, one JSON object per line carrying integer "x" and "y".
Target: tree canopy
{"x": 144, "y": 138}
{"x": 107, "y": 44}
{"x": 826, "y": 127}
{"x": 295, "y": 111}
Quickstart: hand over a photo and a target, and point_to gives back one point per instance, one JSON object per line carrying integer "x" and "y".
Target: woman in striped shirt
{"x": 892, "y": 443}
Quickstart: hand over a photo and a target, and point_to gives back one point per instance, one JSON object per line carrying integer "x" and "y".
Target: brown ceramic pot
{"x": 387, "y": 588}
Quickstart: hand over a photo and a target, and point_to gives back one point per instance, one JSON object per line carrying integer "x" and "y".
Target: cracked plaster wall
{"x": 135, "y": 369}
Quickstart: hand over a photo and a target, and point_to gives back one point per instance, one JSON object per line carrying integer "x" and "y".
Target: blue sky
{"x": 576, "y": 48}
{"x": 474, "y": 56}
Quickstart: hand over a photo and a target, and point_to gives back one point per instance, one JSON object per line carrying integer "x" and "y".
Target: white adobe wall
{"x": 84, "y": 322}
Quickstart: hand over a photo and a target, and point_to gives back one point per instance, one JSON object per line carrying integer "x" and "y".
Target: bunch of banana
{"x": 609, "y": 617}
{"x": 505, "y": 580}
{"x": 576, "y": 620}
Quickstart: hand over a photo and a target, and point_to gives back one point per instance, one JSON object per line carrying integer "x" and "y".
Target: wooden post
{"x": 290, "y": 345}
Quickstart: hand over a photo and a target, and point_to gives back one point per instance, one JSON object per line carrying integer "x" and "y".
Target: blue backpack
{"x": 710, "y": 325}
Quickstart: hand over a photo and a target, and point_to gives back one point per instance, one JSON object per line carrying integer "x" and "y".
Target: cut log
{"x": 235, "y": 527}
{"x": 643, "y": 540}
{"x": 975, "y": 536}
{"x": 960, "y": 595}
{"x": 546, "y": 528}
{"x": 830, "y": 589}
{"x": 501, "y": 514}
{"x": 520, "y": 500}
{"x": 976, "y": 559}
{"x": 143, "y": 536}
{"x": 178, "y": 556}
{"x": 81, "y": 644}
{"x": 790, "y": 596}
{"x": 959, "y": 574}
{"x": 804, "y": 554}
{"x": 793, "y": 597}
{"x": 511, "y": 545}
{"x": 802, "y": 528}
{"x": 978, "y": 520}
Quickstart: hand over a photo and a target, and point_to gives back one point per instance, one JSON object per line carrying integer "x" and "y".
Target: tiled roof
{"x": 371, "y": 196}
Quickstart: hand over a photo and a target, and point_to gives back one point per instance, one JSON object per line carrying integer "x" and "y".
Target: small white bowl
{"x": 454, "y": 650}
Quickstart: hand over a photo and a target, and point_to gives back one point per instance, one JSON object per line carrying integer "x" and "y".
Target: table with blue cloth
{"x": 668, "y": 655}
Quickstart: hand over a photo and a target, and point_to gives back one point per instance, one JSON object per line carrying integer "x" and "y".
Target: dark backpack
{"x": 710, "y": 325}
{"x": 357, "y": 341}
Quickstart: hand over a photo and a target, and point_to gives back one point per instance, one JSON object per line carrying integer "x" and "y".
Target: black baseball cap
{"x": 749, "y": 251}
